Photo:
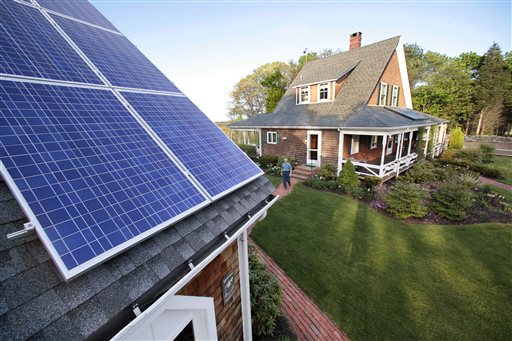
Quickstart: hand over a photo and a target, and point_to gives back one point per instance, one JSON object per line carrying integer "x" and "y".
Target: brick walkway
{"x": 284, "y": 192}
{"x": 306, "y": 319}
{"x": 495, "y": 183}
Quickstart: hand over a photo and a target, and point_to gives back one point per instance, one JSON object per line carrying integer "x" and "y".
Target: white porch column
{"x": 383, "y": 154}
{"x": 245, "y": 137}
{"x": 426, "y": 143}
{"x": 245, "y": 295}
{"x": 410, "y": 143}
{"x": 340, "y": 150}
{"x": 397, "y": 154}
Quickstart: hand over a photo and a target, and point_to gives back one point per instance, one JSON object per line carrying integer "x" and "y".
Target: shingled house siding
{"x": 391, "y": 76}
{"x": 330, "y": 140}
{"x": 209, "y": 283}
{"x": 292, "y": 143}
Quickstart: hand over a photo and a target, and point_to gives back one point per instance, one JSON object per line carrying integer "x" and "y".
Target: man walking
{"x": 286, "y": 172}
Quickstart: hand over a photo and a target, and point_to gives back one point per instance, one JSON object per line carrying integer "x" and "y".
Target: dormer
{"x": 320, "y": 92}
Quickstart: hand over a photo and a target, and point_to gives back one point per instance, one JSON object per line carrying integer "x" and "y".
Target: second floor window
{"x": 383, "y": 94}
{"x": 304, "y": 94}
{"x": 323, "y": 92}
{"x": 394, "y": 96}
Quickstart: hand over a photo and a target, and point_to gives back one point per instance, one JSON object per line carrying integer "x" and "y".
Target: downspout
{"x": 245, "y": 291}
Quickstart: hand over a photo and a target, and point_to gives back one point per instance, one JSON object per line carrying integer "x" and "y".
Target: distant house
{"x": 355, "y": 105}
{"x": 122, "y": 212}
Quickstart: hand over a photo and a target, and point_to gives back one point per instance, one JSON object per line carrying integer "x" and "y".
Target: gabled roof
{"x": 37, "y": 303}
{"x": 369, "y": 61}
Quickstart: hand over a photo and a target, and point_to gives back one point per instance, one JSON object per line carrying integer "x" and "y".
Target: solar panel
{"x": 116, "y": 57}
{"x": 31, "y": 47}
{"x": 213, "y": 159}
{"x": 79, "y": 9}
{"x": 94, "y": 179}
{"x": 409, "y": 113}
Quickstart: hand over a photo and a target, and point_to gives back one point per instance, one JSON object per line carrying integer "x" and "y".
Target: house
{"x": 355, "y": 105}
{"x": 110, "y": 225}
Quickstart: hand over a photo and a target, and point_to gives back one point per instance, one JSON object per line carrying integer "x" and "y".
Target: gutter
{"x": 127, "y": 319}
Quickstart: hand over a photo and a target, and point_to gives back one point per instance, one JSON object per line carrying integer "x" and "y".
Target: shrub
{"x": 452, "y": 200}
{"x": 348, "y": 179}
{"x": 267, "y": 161}
{"x": 469, "y": 155}
{"x": 266, "y": 296}
{"x": 404, "y": 200}
{"x": 448, "y": 154}
{"x": 456, "y": 139}
{"x": 487, "y": 153}
{"x": 468, "y": 179}
{"x": 418, "y": 148}
{"x": 421, "y": 172}
{"x": 328, "y": 172}
{"x": 370, "y": 182}
{"x": 487, "y": 171}
{"x": 250, "y": 150}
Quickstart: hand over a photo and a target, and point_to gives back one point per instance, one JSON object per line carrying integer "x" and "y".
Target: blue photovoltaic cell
{"x": 116, "y": 57}
{"x": 216, "y": 162}
{"x": 409, "y": 113}
{"x": 90, "y": 173}
{"x": 79, "y": 9}
{"x": 30, "y": 46}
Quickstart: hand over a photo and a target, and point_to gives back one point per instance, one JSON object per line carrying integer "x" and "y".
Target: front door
{"x": 314, "y": 148}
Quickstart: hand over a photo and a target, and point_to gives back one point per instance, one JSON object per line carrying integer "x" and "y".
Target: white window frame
{"x": 373, "y": 142}
{"x": 325, "y": 85}
{"x": 382, "y": 93}
{"x": 354, "y": 144}
{"x": 271, "y": 134}
{"x": 394, "y": 96}
{"x": 300, "y": 94}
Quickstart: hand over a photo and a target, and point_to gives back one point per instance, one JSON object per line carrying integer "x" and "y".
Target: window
{"x": 383, "y": 94}
{"x": 304, "y": 95}
{"x": 323, "y": 92}
{"x": 354, "y": 144}
{"x": 394, "y": 96}
{"x": 271, "y": 137}
{"x": 373, "y": 142}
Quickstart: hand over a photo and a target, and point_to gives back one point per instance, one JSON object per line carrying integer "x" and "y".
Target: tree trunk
{"x": 480, "y": 119}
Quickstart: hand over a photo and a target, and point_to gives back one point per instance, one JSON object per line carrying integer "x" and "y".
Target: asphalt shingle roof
{"x": 36, "y": 303}
{"x": 364, "y": 66}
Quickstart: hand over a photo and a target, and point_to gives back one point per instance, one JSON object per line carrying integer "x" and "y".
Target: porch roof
{"x": 368, "y": 117}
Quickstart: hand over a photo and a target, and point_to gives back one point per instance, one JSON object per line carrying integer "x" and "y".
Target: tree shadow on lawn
{"x": 379, "y": 278}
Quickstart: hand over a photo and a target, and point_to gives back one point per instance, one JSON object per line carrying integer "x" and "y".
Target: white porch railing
{"x": 368, "y": 169}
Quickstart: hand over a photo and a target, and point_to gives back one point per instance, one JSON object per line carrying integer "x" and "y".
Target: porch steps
{"x": 303, "y": 172}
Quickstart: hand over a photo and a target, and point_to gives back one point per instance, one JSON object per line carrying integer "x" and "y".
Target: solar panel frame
{"x": 33, "y": 213}
{"x": 79, "y": 9}
{"x": 173, "y": 120}
{"x": 408, "y": 113}
{"x": 32, "y": 47}
{"x": 119, "y": 61}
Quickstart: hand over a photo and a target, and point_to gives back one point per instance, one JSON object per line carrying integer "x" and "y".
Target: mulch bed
{"x": 283, "y": 331}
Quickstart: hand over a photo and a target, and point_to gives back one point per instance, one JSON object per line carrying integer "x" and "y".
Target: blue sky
{"x": 205, "y": 47}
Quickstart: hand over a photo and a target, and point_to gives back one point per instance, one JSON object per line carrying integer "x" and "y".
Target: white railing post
{"x": 383, "y": 155}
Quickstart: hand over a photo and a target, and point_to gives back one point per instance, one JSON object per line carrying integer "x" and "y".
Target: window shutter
{"x": 278, "y": 138}
{"x": 265, "y": 137}
{"x": 378, "y": 96}
{"x": 397, "y": 96}
{"x": 389, "y": 94}
{"x": 349, "y": 144}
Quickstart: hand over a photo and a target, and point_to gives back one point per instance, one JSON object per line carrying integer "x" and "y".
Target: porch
{"x": 386, "y": 155}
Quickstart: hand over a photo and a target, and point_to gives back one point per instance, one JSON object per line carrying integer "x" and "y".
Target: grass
{"x": 504, "y": 164}
{"x": 275, "y": 180}
{"x": 379, "y": 278}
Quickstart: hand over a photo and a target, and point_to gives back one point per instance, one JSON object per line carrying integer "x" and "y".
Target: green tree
{"x": 493, "y": 92}
{"x": 248, "y": 97}
{"x": 415, "y": 58}
{"x": 274, "y": 85}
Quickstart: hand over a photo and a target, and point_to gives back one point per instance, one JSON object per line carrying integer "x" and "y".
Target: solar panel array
{"x": 98, "y": 168}
{"x": 409, "y": 113}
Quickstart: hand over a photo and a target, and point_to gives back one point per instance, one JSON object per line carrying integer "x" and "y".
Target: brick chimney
{"x": 355, "y": 40}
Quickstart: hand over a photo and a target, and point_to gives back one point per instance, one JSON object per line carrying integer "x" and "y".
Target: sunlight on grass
{"x": 379, "y": 278}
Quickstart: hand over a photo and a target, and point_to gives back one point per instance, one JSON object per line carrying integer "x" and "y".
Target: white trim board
{"x": 402, "y": 66}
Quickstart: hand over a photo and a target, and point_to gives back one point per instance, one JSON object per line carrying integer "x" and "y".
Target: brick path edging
{"x": 305, "y": 317}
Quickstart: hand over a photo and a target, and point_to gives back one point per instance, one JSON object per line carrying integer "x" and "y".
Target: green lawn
{"x": 275, "y": 180}
{"x": 379, "y": 278}
{"x": 504, "y": 164}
